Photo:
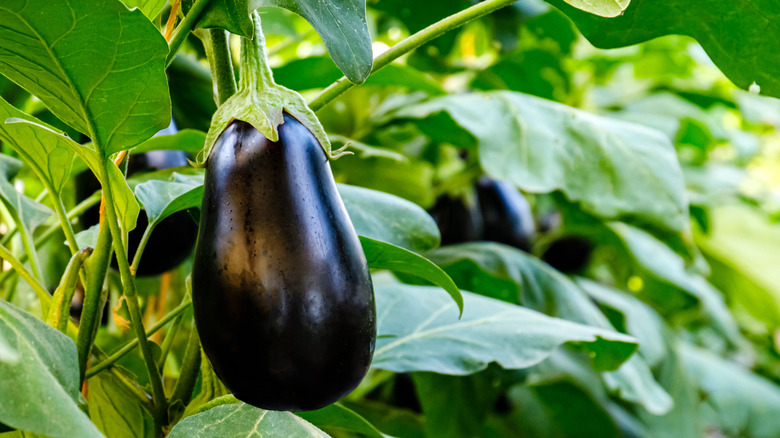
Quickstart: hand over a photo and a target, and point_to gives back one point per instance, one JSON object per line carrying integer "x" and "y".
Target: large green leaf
{"x": 116, "y": 411}
{"x": 340, "y": 23}
{"x": 613, "y": 169}
{"x": 338, "y": 417}
{"x": 548, "y": 290}
{"x": 388, "y": 218}
{"x": 30, "y": 213}
{"x": 737, "y": 35}
{"x": 668, "y": 279}
{"x": 383, "y": 255}
{"x": 635, "y": 318}
{"x": 243, "y": 420}
{"x": 744, "y": 404}
{"x": 164, "y": 198}
{"x": 47, "y": 153}
{"x": 419, "y": 330}
{"x": 150, "y": 8}
{"x": 743, "y": 248}
{"x": 111, "y": 88}
{"x": 39, "y": 387}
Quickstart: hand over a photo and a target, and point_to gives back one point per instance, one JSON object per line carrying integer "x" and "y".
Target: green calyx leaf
{"x": 260, "y": 101}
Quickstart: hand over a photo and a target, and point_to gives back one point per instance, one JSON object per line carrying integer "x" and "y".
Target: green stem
{"x": 182, "y": 392}
{"x": 65, "y": 223}
{"x": 128, "y": 283}
{"x": 109, "y": 362}
{"x": 94, "y": 298}
{"x": 141, "y": 245}
{"x": 184, "y": 29}
{"x": 414, "y": 41}
{"x": 52, "y": 230}
{"x": 43, "y": 295}
{"x": 59, "y": 312}
{"x": 221, "y": 64}
{"x": 256, "y": 74}
{"x": 165, "y": 348}
{"x": 29, "y": 249}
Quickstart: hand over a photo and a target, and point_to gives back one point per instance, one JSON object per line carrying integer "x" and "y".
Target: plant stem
{"x": 128, "y": 284}
{"x": 256, "y": 74}
{"x": 221, "y": 64}
{"x": 107, "y": 363}
{"x": 184, "y": 29}
{"x": 29, "y": 248}
{"x": 52, "y": 230}
{"x": 182, "y": 391}
{"x": 141, "y": 245}
{"x": 168, "y": 342}
{"x": 43, "y": 295}
{"x": 92, "y": 306}
{"x": 65, "y": 223}
{"x": 414, "y": 41}
{"x": 63, "y": 296}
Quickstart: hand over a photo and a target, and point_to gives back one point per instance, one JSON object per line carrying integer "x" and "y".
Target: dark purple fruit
{"x": 569, "y": 254}
{"x": 281, "y": 290}
{"x": 506, "y": 215}
{"x": 173, "y": 239}
{"x": 457, "y": 221}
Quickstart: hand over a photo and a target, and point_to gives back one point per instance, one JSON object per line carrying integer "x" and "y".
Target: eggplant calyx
{"x": 261, "y": 102}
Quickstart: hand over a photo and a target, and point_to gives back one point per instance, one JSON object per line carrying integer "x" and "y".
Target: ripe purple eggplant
{"x": 281, "y": 289}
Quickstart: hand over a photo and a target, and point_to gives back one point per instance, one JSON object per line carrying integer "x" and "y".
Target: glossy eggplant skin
{"x": 506, "y": 215}
{"x": 281, "y": 290}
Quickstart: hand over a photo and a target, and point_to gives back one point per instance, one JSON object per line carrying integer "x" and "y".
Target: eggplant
{"x": 173, "y": 239}
{"x": 506, "y": 215}
{"x": 457, "y": 221}
{"x": 281, "y": 290}
{"x": 569, "y": 254}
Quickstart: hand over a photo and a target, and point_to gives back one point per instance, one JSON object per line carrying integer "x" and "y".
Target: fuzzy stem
{"x": 109, "y": 361}
{"x": 43, "y": 295}
{"x": 60, "y": 308}
{"x": 190, "y": 367}
{"x": 407, "y": 45}
{"x": 186, "y": 25}
{"x": 128, "y": 284}
{"x": 256, "y": 74}
{"x": 221, "y": 64}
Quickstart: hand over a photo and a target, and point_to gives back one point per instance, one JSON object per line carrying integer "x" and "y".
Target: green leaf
{"x": 638, "y": 319}
{"x": 668, "y": 279}
{"x": 243, "y": 420}
{"x": 88, "y": 155}
{"x": 31, "y": 214}
{"x": 383, "y": 255}
{"x": 47, "y": 153}
{"x": 613, "y": 169}
{"x": 744, "y": 404}
{"x": 338, "y": 417}
{"x": 341, "y": 24}
{"x": 150, "y": 8}
{"x": 39, "y": 389}
{"x": 115, "y": 411}
{"x": 740, "y": 44}
{"x": 742, "y": 248}
{"x": 546, "y": 289}
{"x": 164, "y": 198}
{"x": 121, "y": 99}
{"x": 419, "y": 330}
{"x": 381, "y": 216}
